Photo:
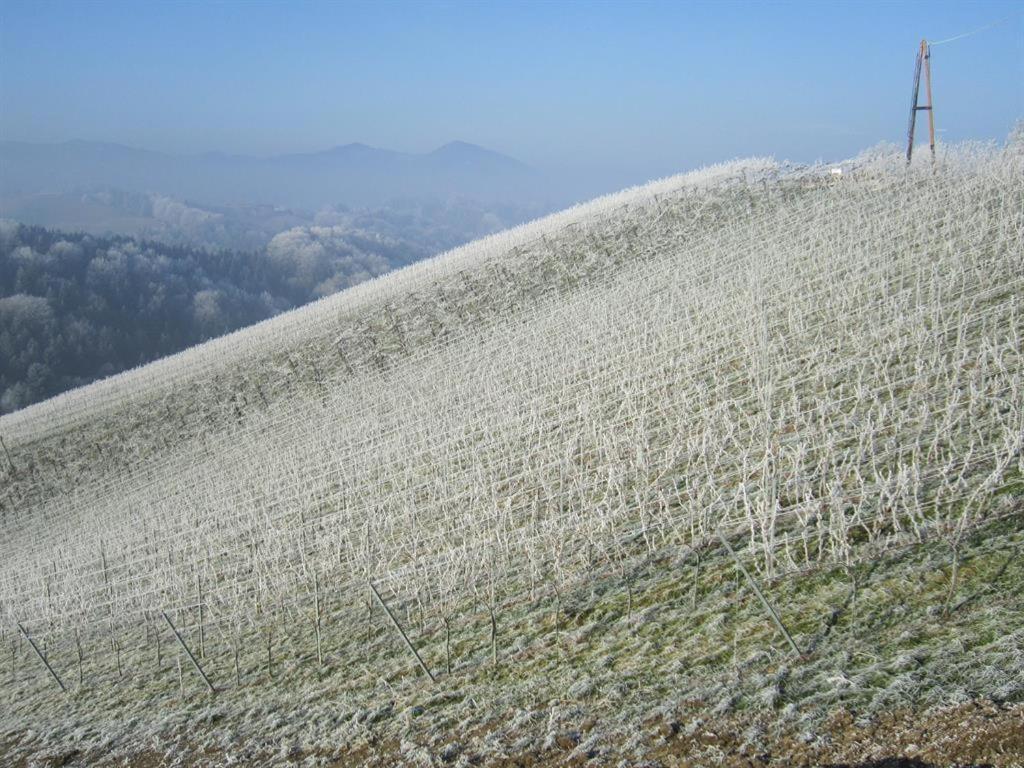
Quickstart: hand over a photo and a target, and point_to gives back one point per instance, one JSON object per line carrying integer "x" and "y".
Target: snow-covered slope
{"x": 821, "y": 368}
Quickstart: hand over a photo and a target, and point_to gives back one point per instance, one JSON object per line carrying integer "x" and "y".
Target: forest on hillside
{"x": 77, "y": 307}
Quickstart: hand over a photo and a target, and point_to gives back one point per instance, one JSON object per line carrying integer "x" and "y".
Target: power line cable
{"x": 977, "y": 31}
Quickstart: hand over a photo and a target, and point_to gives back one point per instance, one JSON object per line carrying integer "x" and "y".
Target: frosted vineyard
{"x": 818, "y": 368}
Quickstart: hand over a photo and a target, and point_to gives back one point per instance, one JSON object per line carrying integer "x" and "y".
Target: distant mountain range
{"x": 353, "y": 175}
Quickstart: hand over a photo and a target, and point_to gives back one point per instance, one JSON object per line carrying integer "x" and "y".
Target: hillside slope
{"x": 535, "y": 448}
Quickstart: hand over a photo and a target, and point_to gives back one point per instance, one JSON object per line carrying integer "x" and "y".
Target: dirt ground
{"x": 978, "y": 733}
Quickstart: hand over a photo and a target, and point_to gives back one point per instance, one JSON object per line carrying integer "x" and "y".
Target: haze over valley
{"x": 111, "y": 257}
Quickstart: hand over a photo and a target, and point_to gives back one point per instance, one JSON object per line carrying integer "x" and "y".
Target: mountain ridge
{"x": 354, "y": 174}
{"x": 458, "y": 144}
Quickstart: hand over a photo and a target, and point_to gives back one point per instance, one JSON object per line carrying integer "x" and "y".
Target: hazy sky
{"x": 646, "y": 87}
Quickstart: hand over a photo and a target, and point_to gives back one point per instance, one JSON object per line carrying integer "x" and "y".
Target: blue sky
{"x": 643, "y": 87}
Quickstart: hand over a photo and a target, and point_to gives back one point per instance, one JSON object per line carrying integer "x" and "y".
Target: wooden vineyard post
{"x": 405, "y": 638}
{"x": 494, "y": 638}
{"x": 270, "y": 653}
{"x": 188, "y": 653}
{"x": 369, "y": 621}
{"x": 696, "y": 581}
{"x": 924, "y": 60}
{"x": 202, "y": 629}
{"x": 316, "y": 622}
{"x": 760, "y": 596}
{"x": 558, "y": 618}
{"x": 447, "y": 646}
{"x": 7, "y": 453}
{"x": 78, "y": 647}
{"x": 42, "y": 658}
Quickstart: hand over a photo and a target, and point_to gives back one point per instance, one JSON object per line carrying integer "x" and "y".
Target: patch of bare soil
{"x": 974, "y": 734}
